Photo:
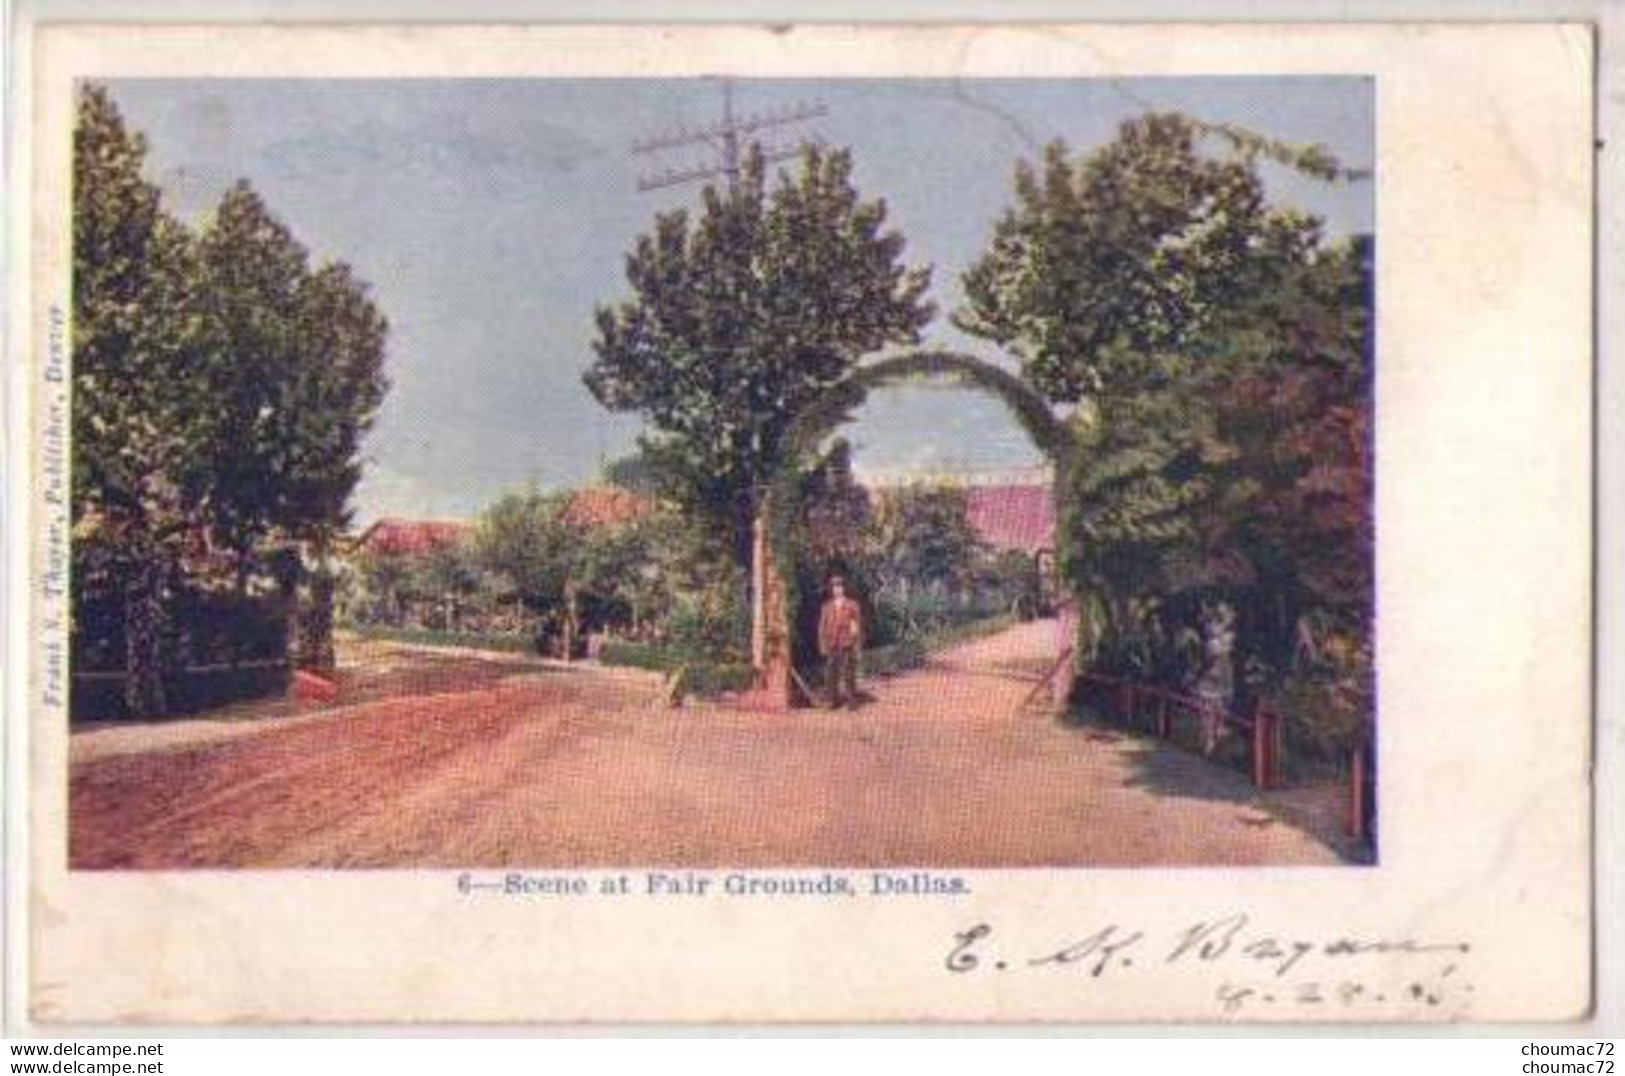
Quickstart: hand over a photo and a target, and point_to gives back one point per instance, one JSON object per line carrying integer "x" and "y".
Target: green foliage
{"x": 701, "y": 676}
{"x": 835, "y": 405}
{"x": 837, "y": 516}
{"x": 330, "y": 401}
{"x": 912, "y": 652}
{"x": 909, "y": 555}
{"x": 140, "y": 409}
{"x": 1109, "y": 264}
{"x": 140, "y": 417}
{"x": 742, "y": 317}
{"x": 1218, "y": 351}
{"x": 838, "y": 403}
{"x": 374, "y": 586}
{"x": 295, "y": 376}
{"x": 1015, "y": 575}
{"x": 444, "y": 571}
{"x": 713, "y": 621}
{"x": 836, "y": 536}
{"x": 526, "y": 538}
{"x": 926, "y": 537}
{"x": 1328, "y": 708}
{"x": 654, "y": 573}
{"x": 635, "y": 472}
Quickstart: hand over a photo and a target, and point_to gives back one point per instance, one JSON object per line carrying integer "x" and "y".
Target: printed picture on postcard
{"x": 1002, "y": 516}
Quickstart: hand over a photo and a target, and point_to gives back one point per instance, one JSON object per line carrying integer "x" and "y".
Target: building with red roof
{"x": 1019, "y": 517}
{"x": 605, "y": 506}
{"x": 589, "y": 508}
{"x": 409, "y": 537}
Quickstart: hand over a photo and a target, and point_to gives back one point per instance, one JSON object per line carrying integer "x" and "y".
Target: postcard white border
{"x": 1458, "y": 145}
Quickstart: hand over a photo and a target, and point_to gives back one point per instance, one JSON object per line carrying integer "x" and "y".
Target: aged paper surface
{"x": 1477, "y": 906}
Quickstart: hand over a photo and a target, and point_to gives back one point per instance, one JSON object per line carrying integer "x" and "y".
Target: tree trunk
{"x": 758, "y": 612}
{"x": 571, "y": 623}
{"x": 293, "y": 638}
{"x": 776, "y": 664}
{"x": 143, "y": 642}
{"x": 316, "y": 624}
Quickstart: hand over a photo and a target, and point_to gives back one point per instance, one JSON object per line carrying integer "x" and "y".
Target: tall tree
{"x": 336, "y": 391}
{"x": 741, "y": 317}
{"x": 296, "y": 376}
{"x": 331, "y": 399}
{"x": 140, "y": 427}
{"x": 252, "y": 277}
{"x": 222, "y": 389}
{"x": 1217, "y": 349}
{"x": 526, "y": 538}
{"x": 1113, "y": 269}
{"x": 838, "y": 518}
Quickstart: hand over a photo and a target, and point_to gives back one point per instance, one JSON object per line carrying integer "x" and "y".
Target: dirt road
{"x": 476, "y": 762}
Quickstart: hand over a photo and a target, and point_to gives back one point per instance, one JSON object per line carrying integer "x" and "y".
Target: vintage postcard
{"x": 808, "y": 523}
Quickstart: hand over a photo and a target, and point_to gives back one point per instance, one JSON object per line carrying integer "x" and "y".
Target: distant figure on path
{"x": 1216, "y": 686}
{"x": 840, "y": 641}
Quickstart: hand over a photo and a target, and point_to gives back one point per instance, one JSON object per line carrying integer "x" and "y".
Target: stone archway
{"x": 772, "y": 614}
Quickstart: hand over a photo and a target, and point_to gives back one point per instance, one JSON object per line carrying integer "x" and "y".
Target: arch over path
{"x": 772, "y": 615}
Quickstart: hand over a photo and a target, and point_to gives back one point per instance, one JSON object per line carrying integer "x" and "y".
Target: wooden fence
{"x": 1155, "y": 709}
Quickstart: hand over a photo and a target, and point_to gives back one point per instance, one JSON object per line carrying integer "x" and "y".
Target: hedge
{"x": 216, "y": 648}
{"x": 99, "y": 695}
{"x": 911, "y": 653}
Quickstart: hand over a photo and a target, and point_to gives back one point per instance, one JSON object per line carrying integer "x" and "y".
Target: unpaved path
{"x": 488, "y": 763}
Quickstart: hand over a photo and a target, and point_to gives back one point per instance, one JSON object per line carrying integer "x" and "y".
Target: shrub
{"x": 217, "y": 647}
{"x": 100, "y": 695}
{"x": 705, "y": 677}
{"x": 1325, "y": 716}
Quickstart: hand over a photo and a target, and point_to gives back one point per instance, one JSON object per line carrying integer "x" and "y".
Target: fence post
{"x": 1356, "y": 818}
{"x": 1263, "y": 747}
{"x": 1164, "y": 726}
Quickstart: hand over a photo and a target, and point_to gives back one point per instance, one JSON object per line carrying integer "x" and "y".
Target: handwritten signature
{"x": 1261, "y": 958}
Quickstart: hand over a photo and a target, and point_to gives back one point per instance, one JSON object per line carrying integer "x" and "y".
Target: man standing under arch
{"x": 840, "y": 642}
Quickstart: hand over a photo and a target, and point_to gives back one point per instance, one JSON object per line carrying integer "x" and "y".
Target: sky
{"x": 492, "y": 216}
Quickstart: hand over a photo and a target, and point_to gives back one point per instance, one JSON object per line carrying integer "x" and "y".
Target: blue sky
{"x": 491, "y": 216}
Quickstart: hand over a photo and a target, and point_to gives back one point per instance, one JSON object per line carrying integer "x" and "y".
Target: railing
{"x": 1155, "y": 709}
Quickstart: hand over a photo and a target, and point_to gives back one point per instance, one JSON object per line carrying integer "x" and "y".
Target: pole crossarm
{"x": 730, "y": 137}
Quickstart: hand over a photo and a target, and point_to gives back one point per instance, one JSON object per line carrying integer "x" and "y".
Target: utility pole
{"x": 729, "y": 139}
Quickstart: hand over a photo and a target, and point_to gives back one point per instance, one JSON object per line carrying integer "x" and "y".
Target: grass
{"x": 908, "y": 654}
{"x": 704, "y": 676}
